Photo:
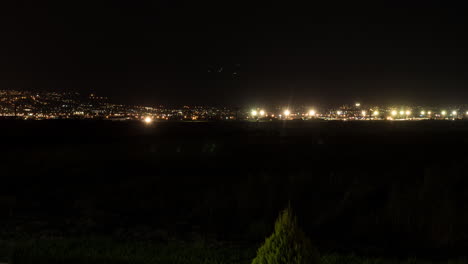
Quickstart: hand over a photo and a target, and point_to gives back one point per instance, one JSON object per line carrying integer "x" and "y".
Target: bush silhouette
{"x": 287, "y": 245}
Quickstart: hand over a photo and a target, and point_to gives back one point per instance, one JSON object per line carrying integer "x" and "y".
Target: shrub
{"x": 287, "y": 245}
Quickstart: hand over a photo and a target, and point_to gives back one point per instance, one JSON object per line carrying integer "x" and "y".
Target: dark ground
{"x": 379, "y": 188}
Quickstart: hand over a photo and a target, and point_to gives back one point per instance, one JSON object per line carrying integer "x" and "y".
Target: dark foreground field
{"x": 105, "y": 251}
{"x": 379, "y": 189}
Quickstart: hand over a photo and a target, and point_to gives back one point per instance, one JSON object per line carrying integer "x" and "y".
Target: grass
{"x": 54, "y": 251}
{"x": 104, "y": 251}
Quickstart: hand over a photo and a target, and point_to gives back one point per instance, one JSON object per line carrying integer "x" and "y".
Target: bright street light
{"x": 443, "y": 112}
{"x": 287, "y": 112}
{"x": 402, "y": 112}
{"x": 148, "y": 120}
{"x": 254, "y": 113}
{"x": 394, "y": 113}
{"x": 312, "y": 112}
{"x": 262, "y": 113}
{"x": 376, "y": 113}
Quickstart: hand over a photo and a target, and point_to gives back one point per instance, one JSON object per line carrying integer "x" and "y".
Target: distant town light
{"x": 394, "y": 112}
{"x": 363, "y": 113}
{"x": 358, "y": 104}
{"x": 408, "y": 112}
{"x": 402, "y": 112}
{"x": 443, "y": 112}
{"x": 423, "y": 112}
{"x": 339, "y": 112}
{"x": 454, "y": 112}
{"x": 376, "y": 113}
{"x": 287, "y": 112}
{"x": 262, "y": 113}
{"x": 148, "y": 120}
{"x": 429, "y": 112}
{"x": 254, "y": 113}
{"x": 312, "y": 112}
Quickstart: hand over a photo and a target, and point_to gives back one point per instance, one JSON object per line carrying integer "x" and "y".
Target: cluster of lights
{"x": 286, "y": 113}
{"x": 402, "y": 112}
{"x": 374, "y": 113}
{"x": 256, "y": 113}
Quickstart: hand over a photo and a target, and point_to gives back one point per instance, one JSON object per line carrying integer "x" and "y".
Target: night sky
{"x": 230, "y": 52}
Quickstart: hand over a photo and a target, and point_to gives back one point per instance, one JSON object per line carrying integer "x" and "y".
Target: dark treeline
{"x": 396, "y": 188}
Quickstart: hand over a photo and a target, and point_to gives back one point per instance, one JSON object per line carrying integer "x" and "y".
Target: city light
{"x": 148, "y": 120}
{"x": 11, "y": 106}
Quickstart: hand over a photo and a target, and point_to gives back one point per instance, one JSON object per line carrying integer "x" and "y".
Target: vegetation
{"x": 102, "y": 251}
{"x": 287, "y": 245}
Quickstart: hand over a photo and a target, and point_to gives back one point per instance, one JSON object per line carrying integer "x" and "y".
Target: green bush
{"x": 287, "y": 245}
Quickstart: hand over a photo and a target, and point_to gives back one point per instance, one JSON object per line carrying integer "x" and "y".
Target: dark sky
{"x": 232, "y": 52}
